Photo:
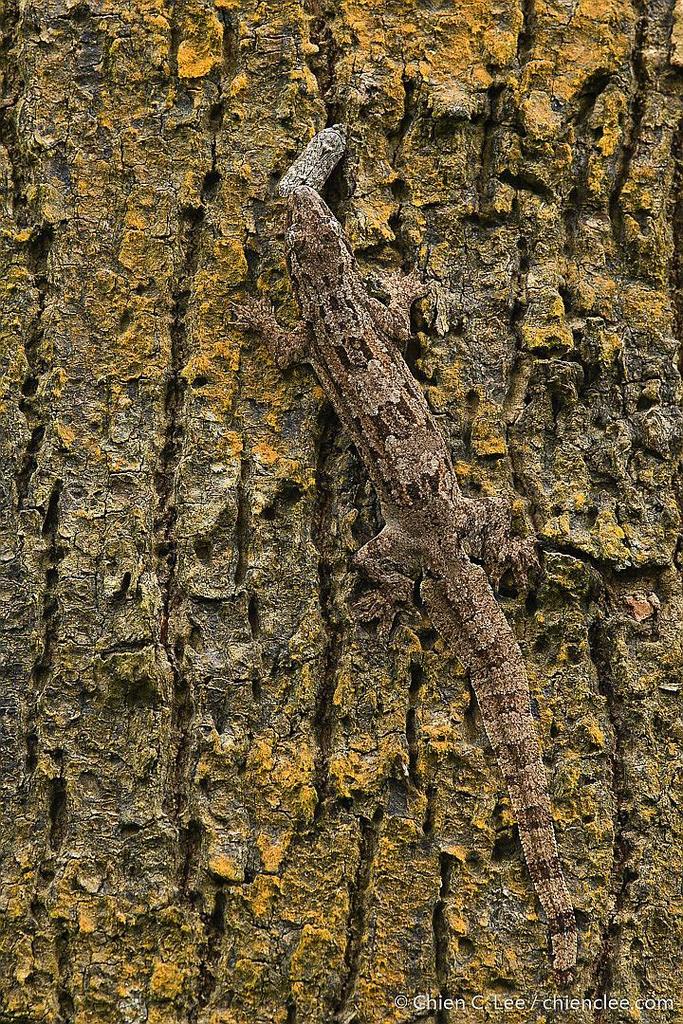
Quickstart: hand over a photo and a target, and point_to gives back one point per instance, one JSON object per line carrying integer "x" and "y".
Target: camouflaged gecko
{"x": 432, "y": 531}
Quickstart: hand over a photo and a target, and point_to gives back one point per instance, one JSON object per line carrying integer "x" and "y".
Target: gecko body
{"x": 432, "y": 531}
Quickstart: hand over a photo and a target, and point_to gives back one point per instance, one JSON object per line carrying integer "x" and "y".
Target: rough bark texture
{"x": 222, "y": 800}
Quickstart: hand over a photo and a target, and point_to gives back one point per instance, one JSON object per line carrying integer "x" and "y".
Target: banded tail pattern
{"x": 465, "y": 612}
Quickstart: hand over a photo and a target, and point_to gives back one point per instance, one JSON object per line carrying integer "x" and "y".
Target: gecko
{"x": 455, "y": 545}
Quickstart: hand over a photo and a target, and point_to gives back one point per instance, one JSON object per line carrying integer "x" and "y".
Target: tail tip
{"x": 565, "y": 947}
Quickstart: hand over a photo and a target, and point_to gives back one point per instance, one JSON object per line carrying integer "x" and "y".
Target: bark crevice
{"x": 633, "y": 126}
{"x": 622, "y": 872}
{"x": 323, "y": 537}
{"x": 49, "y": 619}
{"x": 357, "y": 925}
{"x": 441, "y": 933}
{"x": 166, "y": 485}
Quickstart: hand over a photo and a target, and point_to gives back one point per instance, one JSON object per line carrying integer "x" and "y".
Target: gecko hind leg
{"x": 389, "y": 561}
{"x": 286, "y": 347}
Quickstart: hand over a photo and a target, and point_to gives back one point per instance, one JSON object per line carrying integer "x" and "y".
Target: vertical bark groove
{"x": 356, "y": 929}
{"x": 441, "y": 934}
{"x": 324, "y": 539}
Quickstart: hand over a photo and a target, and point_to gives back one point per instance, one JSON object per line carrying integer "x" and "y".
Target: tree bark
{"x": 223, "y": 801}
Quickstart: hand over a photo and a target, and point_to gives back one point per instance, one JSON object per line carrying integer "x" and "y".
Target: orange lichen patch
{"x": 263, "y": 895}
{"x": 272, "y": 851}
{"x": 611, "y": 346}
{"x": 226, "y": 867}
{"x": 488, "y": 436}
{"x": 608, "y": 117}
{"x": 463, "y": 470}
{"x": 229, "y": 264}
{"x": 557, "y": 528}
{"x": 552, "y": 335}
{"x": 351, "y": 771}
{"x": 140, "y": 251}
{"x": 66, "y": 434}
{"x": 239, "y": 85}
{"x": 609, "y": 537}
{"x": 538, "y": 116}
{"x": 369, "y": 222}
{"x": 286, "y": 773}
{"x": 646, "y": 307}
{"x": 316, "y": 945}
{"x": 167, "y": 980}
{"x": 209, "y": 376}
{"x": 231, "y": 444}
{"x": 201, "y": 51}
{"x": 265, "y": 453}
{"x": 88, "y": 921}
{"x": 344, "y": 689}
{"x": 594, "y": 734}
{"x": 439, "y": 735}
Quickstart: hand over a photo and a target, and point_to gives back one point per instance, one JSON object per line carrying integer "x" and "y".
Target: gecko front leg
{"x": 286, "y": 347}
{"x": 388, "y": 560}
{"x": 403, "y": 290}
{"x": 489, "y": 539}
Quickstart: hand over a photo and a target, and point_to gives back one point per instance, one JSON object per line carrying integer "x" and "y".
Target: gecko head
{"x": 313, "y": 233}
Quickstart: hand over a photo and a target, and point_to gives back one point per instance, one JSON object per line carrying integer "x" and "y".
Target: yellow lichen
{"x": 167, "y": 980}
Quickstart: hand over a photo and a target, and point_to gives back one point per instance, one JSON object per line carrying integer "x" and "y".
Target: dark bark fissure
{"x": 622, "y": 872}
{"x": 633, "y": 125}
{"x": 221, "y": 78}
{"x": 323, "y": 63}
{"x": 430, "y": 811}
{"x": 412, "y": 732}
{"x": 166, "y": 483}
{"x": 214, "y": 930}
{"x": 525, "y": 39}
{"x": 242, "y": 523}
{"x": 323, "y": 538}
{"x": 65, "y": 999}
{"x": 520, "y": 374}
{"x": 31, "y": 403}
{"x": 677, "y": 241}
{"x": 357, "y": 924}
{"x": 440, "y": 932}
{"x": 488, "y": 125}
{"x": 43, "y": 664}
{"x": 58, "y": 809}
{"x": 399, "y": 188}
{"x": 175, "y": 39}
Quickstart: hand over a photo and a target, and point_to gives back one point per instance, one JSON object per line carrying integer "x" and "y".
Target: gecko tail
{"x": 564, "y": 941}
{"x": 467, "y": 615}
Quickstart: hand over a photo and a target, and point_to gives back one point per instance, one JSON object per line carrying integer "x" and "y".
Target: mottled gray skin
{"x": 352, "y": 341}
{"x": 314, "y": 166}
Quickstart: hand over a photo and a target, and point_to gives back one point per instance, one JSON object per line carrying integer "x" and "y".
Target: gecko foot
{"x": 382, "y": 604}
{"x": 255, "y": 315}
{"x": 375, "y": 606}
{"x": 522, "y": 557}
{"x": 286, "y": 347}
{"x": 404, "y": 289}
{"x": 516, "y": 555}
{"x": 499, "y": 551}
